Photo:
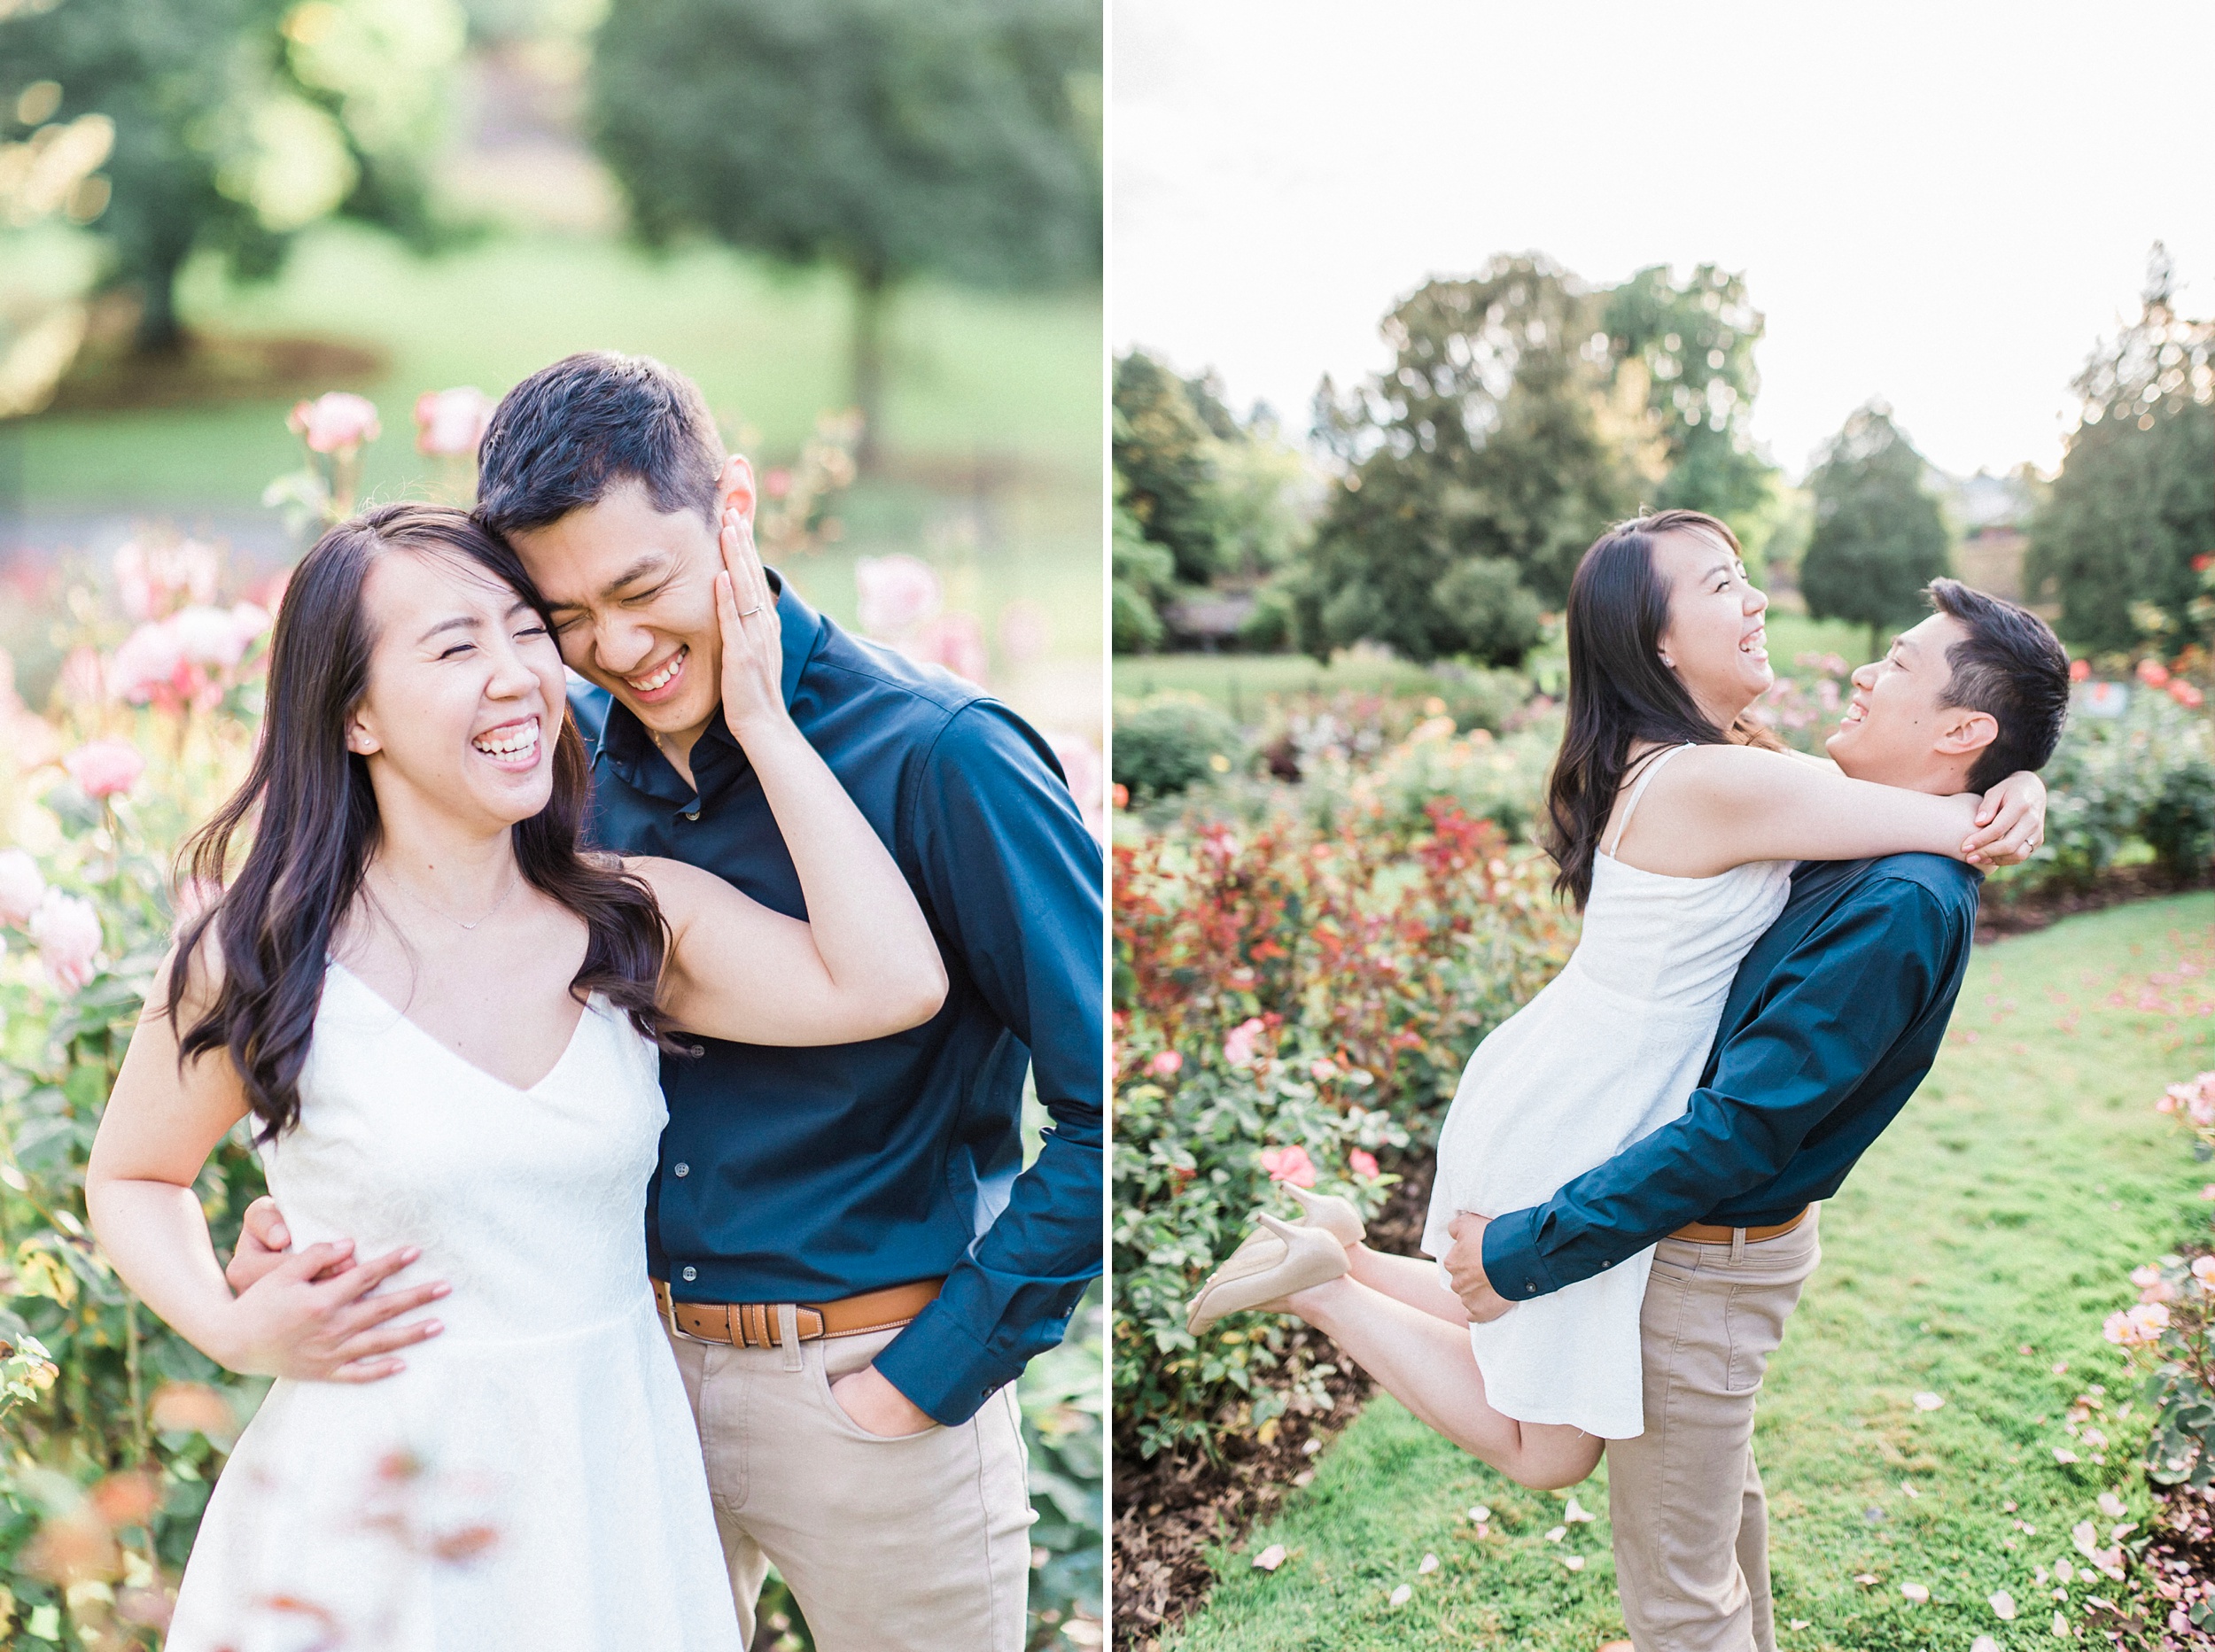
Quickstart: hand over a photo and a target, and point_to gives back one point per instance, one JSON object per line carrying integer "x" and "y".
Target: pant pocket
{"x": 1754, "y": 1323}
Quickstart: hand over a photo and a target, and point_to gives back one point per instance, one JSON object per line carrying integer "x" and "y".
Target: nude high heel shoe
{"x": 1259, "y": 1271}
{"x": 1334, "y": 1215}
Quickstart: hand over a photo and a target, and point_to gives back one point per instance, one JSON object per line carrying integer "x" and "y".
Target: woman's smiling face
{"x": 1714, "y": 641}
{"x": 465, "y": 692}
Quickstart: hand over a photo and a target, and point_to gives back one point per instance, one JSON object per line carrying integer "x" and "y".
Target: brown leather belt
{"x": 759, "y": 1325}
{"x": 1709, "y": 1233}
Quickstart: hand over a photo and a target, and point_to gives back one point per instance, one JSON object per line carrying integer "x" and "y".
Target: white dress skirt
{"x": 1608, "y": 1052}
{"x": 533, "y": 1478}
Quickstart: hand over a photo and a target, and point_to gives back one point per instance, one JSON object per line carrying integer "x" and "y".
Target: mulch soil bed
{"x": 1999, "y": 915}
{"x": 1170, "y": 1511}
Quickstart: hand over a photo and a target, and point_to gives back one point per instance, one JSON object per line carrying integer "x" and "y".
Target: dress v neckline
{"x": 575, "y": 1034}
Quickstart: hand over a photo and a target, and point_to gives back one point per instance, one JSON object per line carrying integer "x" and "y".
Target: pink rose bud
{"x": 336, "y": 423}
{"x": 1365, "y": 1162}
{"x": 1165, "y": 1064}
{"x": 451, "y": 423}
{"x": 21, "y": 886}
{"x": 1238, "y": 1049}
{"x": 105, "y": 768}
{"x": 67, "y": 931}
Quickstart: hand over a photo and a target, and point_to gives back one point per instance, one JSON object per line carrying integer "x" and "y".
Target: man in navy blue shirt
{"x": 1833, "y": 1019}
{"x": 853, "y": 1261}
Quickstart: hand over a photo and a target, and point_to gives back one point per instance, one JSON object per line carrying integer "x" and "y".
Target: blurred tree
{"x": 1476, "y": 470}
{"x": 1143, "y": 575}
{"x": 2135, "y": 504}
{"x": 892, "y": 138}
{"x": 1879, "y": 537}
{"x": 1164, "y": 460}
{"x": 51, "y": 172}
{"x": 240, "y": 122}
{"x": 1692, "y": 346}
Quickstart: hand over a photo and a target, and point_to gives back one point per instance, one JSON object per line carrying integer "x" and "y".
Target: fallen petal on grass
{"x": 1405, "y": 1592}
{"x": 1915, "y": 1592}
{"x": 1556, "y": 1534}
{"x": 2003, "y": 1606}
{"x": 1929, "y": 1401}
{"x": 1270, "y": 1558}
{"x": 1430, "y": 1565}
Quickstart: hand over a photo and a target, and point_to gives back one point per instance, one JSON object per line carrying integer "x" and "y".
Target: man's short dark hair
{"x": 2011, "y": 667}
{"x": 559, "y": 440}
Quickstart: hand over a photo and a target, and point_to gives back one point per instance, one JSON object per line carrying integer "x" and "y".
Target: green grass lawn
{"x": 970, "y": 373}
{"x": 1973, "y": 1254}
{"x": 1240, "y": 682}
{"x": 1013, "y": 382}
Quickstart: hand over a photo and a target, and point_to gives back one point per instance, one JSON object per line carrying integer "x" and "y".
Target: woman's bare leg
{"x": 1412, "y": 1279}
{"x": 1426, "y": 1364}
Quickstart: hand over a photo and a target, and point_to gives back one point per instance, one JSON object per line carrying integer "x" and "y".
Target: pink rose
{"x": 896, "y": 594}
{"x": 149, "y": 664}
{"x": 956, "y": 642}
{"x": 1322, "y": 1071}
{"x": 208, "y": 636}
{"x": 1289, "y": 1164}
{"x": 149, "y": 580}
{"x": 336, "y": 423}
{"x": 67, "y": 931}
{"x": 2153, "y": 674}
{"x": 1364, "y": 1163}
{"x": 2185, "y": 695}
{"x": 777, "y": 483}
{"x": 21, "y": 887}
{"x": 1166, "y": 1065}
{"x": 1238, "y": 1049}
{"x": 2203, "y": 1270}
{"x": 451, "y": 423}
{"x": 105, "y": 768}
{"x": 2079, "y": 670}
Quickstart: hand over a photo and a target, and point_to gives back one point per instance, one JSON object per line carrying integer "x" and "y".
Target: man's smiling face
{"x": 633, "y": 592}
{"x": 1896, "y": 718}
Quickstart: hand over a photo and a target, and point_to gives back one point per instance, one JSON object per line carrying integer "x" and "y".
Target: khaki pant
{"x": 1685, "y": 1500}
{"x": 918, "y": 1543}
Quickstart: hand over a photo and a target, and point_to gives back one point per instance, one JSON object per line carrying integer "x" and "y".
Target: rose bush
{"x": 1289, "y": 1001}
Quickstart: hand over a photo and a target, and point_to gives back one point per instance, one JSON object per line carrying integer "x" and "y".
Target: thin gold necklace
{"x": 449, "y": 917}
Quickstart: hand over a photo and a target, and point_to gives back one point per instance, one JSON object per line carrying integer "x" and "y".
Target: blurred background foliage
{"x": 210, "y": 210}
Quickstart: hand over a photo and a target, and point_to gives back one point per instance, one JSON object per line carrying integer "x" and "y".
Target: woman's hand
{"x": 2010, "y": 822}
{"x": 753, "y": 638}
{"x": 296, "y": 1322}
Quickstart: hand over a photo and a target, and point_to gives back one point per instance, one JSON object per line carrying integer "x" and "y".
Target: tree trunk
{"x": 873, "y": 293}
{"x": 159, "y": 330}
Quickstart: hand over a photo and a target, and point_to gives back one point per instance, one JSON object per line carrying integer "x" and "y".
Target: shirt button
{"x": 692, "y": 814}
{"x": 691, "y": 1274}
{"x": 684, "y": 1170}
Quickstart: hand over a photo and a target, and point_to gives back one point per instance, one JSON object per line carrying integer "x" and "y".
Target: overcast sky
{"x": 1943, "y": 204}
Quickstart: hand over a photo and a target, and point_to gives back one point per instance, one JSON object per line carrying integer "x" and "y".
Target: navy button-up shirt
{"x": 1834, "y": 1018}
{"x": 809, "y": 1174}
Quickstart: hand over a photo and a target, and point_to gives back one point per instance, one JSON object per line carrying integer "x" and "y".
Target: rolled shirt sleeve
{"x": 1828, "y": 1015}
{"x": 1014, "y": 882}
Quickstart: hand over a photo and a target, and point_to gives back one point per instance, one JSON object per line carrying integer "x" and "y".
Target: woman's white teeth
{"x": 513, "y": 741}
{"x": 660, "y": 679}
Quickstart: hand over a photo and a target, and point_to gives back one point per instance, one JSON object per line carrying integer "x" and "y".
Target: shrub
{"x": 1172, "y": 741}
{"x": 2180, "y": 824}
{"x": 1286, "y": 989}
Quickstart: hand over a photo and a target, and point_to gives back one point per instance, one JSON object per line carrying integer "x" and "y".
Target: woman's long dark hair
{"x": 1620, "y": 692}
{"x": 315, "y": 824}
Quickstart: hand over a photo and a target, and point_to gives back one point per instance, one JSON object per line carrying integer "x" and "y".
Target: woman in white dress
{"x": 1665, "y": 659}
{"x": 442, "y": 1020}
